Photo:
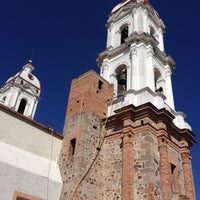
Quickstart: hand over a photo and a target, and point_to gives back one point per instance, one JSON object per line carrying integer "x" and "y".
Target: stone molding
{"x": 156, "y": 115}
{"x": 136, "y": 38}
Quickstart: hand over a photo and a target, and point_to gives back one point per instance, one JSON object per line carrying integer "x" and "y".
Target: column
{"x": 168, "y": 88}
{"x": 104, "y": 71}
{"x": 161, "y": 42}
{"x": 113, "y": 80}
{"x": 134, "y": 65}
{"x": 129, "y": 78}
{"x": 109, "y": 37}
{"x": 127, "y": 167}
{"x": 164, "y": 167}
{"x": 187, "y": 171}
{"x": 145, "y": 24}
{"x": 112, "y": 36}
{"x": 13, "y": 96}
{"x": 135, "y": 25}
{"x": 150, "y": 82}
{"x": 34, "y": 109}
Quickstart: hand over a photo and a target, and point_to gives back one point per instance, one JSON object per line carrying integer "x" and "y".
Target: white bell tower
{"x": 21, "y": 92}
{"x": 135, "y": 60}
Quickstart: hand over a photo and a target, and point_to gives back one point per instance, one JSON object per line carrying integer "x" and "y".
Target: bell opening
{"x": 122, "y": 81}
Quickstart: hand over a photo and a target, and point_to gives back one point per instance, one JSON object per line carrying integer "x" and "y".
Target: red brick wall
{"x": 85, "y": 95}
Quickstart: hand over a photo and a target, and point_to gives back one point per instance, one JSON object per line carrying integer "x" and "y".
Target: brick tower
{"x": 123, "y": 138}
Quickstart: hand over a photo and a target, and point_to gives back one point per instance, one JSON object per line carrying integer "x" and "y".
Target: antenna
{"x": 33, "y": 52}
{"x": 51, "y": 128}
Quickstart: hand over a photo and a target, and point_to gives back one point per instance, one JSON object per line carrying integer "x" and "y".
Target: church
{"x": 122, "y": 139}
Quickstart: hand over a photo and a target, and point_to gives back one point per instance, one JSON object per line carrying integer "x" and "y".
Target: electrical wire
{"x": 49, "y": 169}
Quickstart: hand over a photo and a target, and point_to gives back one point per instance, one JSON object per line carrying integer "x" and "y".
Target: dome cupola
{"x": 21, "y": 92}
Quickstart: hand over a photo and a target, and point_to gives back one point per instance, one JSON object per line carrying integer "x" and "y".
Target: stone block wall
{"x": 74, "y": 167}
{"x": 142, "y": 155}
{"x": 112, "y": 169}
{"x": 146, "y": 166}
{"x": 81, "y": 163}
{"x": 177, "y": 175}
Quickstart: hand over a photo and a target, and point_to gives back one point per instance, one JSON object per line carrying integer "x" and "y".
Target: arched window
{"x": 121, "y": 75}
{"x": 22, "y": 106}
{"x": 124, "y": 33}
{"x": 72, "y": 148}
{"x": 4, "y": 99}
{"x": 158, "y": 81}
{"x": 152, "y": 31}
{"x": 175, "y": 179}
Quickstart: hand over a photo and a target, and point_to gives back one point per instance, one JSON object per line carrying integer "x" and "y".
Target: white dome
{"x": 27, "y": 75}
{"x": 30, "y": 78}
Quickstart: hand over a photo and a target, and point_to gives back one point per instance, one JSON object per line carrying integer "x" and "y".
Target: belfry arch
{"x": 121, "y": 77}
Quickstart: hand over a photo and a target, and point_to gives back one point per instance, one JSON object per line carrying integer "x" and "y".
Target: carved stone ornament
{"x": 168, "y": 72}
{"x": 134, "y": 52}
{"x": 150, "y": 53}
{"x": 105, "y": 67}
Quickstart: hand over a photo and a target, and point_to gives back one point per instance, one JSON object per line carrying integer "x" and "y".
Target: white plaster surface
{"x": 25, "y": 160}
{"x": 16, "y": 179}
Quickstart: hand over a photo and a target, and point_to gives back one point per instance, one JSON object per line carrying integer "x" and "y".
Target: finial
{"x": 29, "y": 65}
{"x": 30, "y": 61}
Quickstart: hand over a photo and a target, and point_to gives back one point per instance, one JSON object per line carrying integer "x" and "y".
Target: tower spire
{"x": 29, "y": 66}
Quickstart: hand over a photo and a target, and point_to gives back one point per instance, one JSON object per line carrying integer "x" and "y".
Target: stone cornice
{"x": 156, "y": 115}
{"x": 136, "y": 38}
{"x": 127, "y": 9}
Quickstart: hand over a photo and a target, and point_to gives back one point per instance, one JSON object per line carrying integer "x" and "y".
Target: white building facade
{"x": 30, "y": 151}
{"x": 135, "y": 61}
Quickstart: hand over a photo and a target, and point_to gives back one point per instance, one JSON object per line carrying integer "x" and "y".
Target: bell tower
{"x": 21, "y": 92}
{"x": 135, "y": 61}
{"x": 124, "y": 140}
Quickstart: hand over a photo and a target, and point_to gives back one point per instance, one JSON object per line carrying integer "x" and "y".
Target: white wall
{"x": 25, "y": 159}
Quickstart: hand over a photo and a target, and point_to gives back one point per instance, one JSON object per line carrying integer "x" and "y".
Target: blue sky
{"x": 67, "y": 36}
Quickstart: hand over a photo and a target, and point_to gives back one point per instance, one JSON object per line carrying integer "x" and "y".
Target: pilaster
{"x": 164, "y": 167}
{"x": 169, "y": 90}
{"x": 149, "y": 70}
{"x": 187, "y": 170}
{"x": 127, "y": 165}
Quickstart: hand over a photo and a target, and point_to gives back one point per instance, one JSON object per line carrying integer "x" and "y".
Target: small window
{"x": 174, "y": 179}
{"x": 30, "y": 76}
{"x": 152, "y": 31}
{"x": 22, "y": 106}
{"x": 4, "y": 99}
{"x": 73, "y": 147}
{"x": 124, "y": 34}
{"x": 100, "y": 84}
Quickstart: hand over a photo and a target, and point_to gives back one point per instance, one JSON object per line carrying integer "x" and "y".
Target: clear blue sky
{"x": 67, "y": 36}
